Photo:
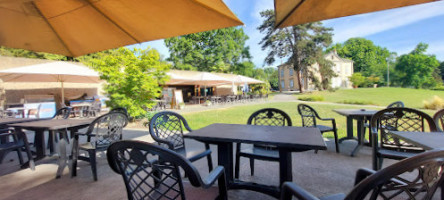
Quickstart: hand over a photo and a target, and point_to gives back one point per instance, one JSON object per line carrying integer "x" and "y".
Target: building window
{"x": 291, "y": 71}
{"x": 291, "y": 83}
{"x": 282, "y": 84}
{"x": 282, "y": 72}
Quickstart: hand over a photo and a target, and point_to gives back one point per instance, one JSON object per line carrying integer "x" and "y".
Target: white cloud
{"x": 371, "y": 23}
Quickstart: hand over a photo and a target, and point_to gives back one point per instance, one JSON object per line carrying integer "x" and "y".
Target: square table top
{"x": 5, "y": 121}
{"x": 54, "y": 124}
{"x": 300, "y": 138}
{"x": 426, "y": 140}
{"x": 356, "y": 112}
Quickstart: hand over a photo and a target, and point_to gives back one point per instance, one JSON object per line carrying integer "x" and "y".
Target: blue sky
{"x": 399, "y": 30}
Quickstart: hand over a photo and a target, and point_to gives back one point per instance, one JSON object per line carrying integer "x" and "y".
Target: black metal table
{"x": 360, "y": 115}
{"x": 55, "y": 125}
{"x": 286, "y": 138}
{"x": 426, "y": 140}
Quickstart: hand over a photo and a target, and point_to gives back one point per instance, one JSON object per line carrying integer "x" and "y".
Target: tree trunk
{"x": 301, "y": 88}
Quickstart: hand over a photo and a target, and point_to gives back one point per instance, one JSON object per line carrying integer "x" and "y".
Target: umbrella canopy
{"x": 241, "y": 80}
{"x": 51, "y": 72}
{"x": 207, "y": 79}
{"x": 176, "y": 79}
{"x": 78, "y": 27}
{"x": 293, "y": 12}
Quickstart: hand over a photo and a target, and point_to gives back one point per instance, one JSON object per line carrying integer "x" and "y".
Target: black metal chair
{"x": 152, "y": 172}
{"x": 101, "y": 133}
{"x": 438, "y": 117}
{"x": 121, "y": 110}
{"x": 167, "y": 128}
{"x": 414, "y": 178}
{"x": 62, "y": 113}
{"x": 94, "y": 109}
{"x": 396, "y": 104}
{"x": 309, "y": 116}
{"x": 397, "y": 119}
{"x": 15, "y": 141}
{"x": 263, "y": 117}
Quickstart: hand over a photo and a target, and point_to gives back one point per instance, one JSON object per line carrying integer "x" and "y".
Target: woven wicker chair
{"x": 101, "y": 133}
{"x": 167, "y": 128}
{"x": 152, "y": 172}
{"x": 309, "y": 117}
{"x": 439, "y": 119}
{"x": 263, "y": 117}
{"x": 397, "y": 119}
{"x": 414, "y": 178}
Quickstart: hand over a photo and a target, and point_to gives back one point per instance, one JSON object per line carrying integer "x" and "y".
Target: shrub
{"x": 311, "y": 98}
{"x": 357, "y": 79}
{"x": 439, "y": 88}
{"x": 357, "y": 102}
{"x": 434, "y": 104}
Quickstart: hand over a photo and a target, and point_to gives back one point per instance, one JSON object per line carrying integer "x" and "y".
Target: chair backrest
{"x": 62, "y": 113}
{"x": 167, "y": 128}
{"x": 120, "y": 110}
{"x": 308, "y": 115}
{"x": 150, "y": 171}
{"x": 107, "y": 129}
{"x": 396, "y": 104}
{"x": 269, "y": 117}
{"x": 400, "y": 119}
{"x": 439, "y": 119}
{"x": 417, "y": 177}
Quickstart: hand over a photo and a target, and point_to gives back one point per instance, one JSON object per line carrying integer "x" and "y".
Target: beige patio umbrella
{"x": 206, "y": 79}
{"x": 63, "y": 72}
{"x": 293, "y": 12}
{"x": 77, "y": 27}
{"x": 239, "y": 80}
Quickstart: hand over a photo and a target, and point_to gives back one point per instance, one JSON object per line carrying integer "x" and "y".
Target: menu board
{"x": 178, "y": 98}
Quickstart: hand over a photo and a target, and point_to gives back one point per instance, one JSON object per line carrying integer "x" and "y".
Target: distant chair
{"x": 263, "y": 117}
{"x": 15, "y": 141}
{"x": 167, "y": 128}
{"x": 94, "y": 109}
{"x": 309, "y": 116}
{"x": 101, "y": 133}
{"x": 397, "y": 119}
{"x": 439, "y": 119}
{"x": 62, "y": 113}
{"x": 152, "y": 172}
{"x": 396, "y": 104}
{"x": 414, "y": 178}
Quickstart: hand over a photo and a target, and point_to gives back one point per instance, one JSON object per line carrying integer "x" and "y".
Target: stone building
{"x": 342, "y": 67}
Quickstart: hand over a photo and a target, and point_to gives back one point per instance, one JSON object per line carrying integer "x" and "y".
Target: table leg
{"x": 39, "y": 143}
{"x": 285, "y": 166}
{"x": 361, "y": 136}
{"x": 225, "y": 158}
{"x": 349, "y": 130}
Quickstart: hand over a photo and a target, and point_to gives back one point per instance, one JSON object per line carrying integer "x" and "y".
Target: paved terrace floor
{"x": 323, "y": 173}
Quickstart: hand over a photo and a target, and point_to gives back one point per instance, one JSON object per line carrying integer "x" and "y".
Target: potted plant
{"x": 181, "y": 106}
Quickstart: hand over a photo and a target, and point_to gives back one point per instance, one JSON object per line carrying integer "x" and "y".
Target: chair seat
{"x": 323, "y": 128}
{"x": 398, "y": 155}
{"x": 333, "y": 197}
{"x": 10, "y": 145}
{"x": 260, "y": 153}
{"x": 193, "y": 155}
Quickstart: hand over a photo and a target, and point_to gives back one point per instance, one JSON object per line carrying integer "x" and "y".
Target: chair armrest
{"x": 333, "y": 121}
{"x": 213, "y": 176}
{"x": 290, "y": 189}
{"x": 363, "y": 173}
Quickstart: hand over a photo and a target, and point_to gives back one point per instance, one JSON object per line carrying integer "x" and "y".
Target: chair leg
{"x": 92, "y": 162}
{"x": 252, "y": 166}
{"x": 20, "y": 156}
{"x": 336, "y": 140}
{"x": 222, "y": 185}
{"x": 75, "y": 156}
{"x": 209, "y": 159}
{"x": 237, "y": 164}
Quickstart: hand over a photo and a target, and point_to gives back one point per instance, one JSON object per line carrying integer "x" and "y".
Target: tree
{"x": 272, "y": 77}
{"x": 132, "y": 76}
{"x": 357, "y": 79}
{"x": 302, "y": 44}
{"x": 5, "y": 51}
{"x": 368, "y": 58}
{"x": 417, "y": 69}
{"x": 441, "y": 70}
{"x": 214, "y": 51}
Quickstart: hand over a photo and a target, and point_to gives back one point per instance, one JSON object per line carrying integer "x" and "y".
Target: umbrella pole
{"x": 63, "y": 95}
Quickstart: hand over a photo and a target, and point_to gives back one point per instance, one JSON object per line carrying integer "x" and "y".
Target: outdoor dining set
{"x": 160, "y": 170}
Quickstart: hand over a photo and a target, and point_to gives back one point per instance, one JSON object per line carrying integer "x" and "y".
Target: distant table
{"x": 199, "y": 98}
{"x": 360, "y": 115}
{"x": 79, "y": 108}
{"x": 426, "y": 140}
{"x": 286, "y": 138}
{"x": 55, "y": 125}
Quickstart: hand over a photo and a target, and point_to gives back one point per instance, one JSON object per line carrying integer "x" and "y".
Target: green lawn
{"x": 381, "y": 96}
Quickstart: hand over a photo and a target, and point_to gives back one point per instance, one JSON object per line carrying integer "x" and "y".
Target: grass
{"x": 381, "y": 96}
{"x": 311, "y": 98}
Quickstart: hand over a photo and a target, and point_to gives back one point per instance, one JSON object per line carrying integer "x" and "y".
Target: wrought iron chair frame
{"x": 102, "y": 141}
{"x": 181, "y": 148}
{"x": 370, "y": 184}
{"x": 267, "y": 153}
{"x": 312, "y": 122}
{"x": 166, "y": 158}
{"x": 438, "y": 117}
{"x": 384, "y": 145}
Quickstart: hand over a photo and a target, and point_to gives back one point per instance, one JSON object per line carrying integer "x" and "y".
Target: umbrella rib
{"x": 288, "y": 15}
{"x": 113, "y": 22}
{"x": 220, "y": 13}
{"x": 52, "y": 28}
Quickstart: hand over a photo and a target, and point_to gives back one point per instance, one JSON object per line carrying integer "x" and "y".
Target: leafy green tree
{"x": 302, "y": 44}
{"x": 245, "y": 68}
{"x": 272, "y": 77}
{"x": 132, "y": 76}
{"x": 368, "y": 58}
{"x": 441, "y": 70}
{"x": 213, "y": 51}
{"x": 5, "y": 51}
{"x": 417, "y": 69}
